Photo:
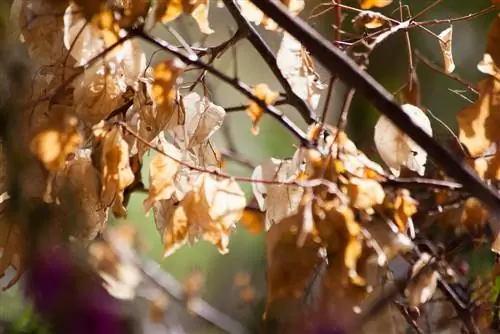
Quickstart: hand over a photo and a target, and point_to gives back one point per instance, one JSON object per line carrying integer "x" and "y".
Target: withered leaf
{"x": 115, "y": 171}
{"x": 295, "y": 64}
{"x": 209, "y": 211}
{"x": 166, "y": 76}
{"x": 478, "y": 123}
{"x": 445, "y": 42}
{"x": 53, "y": 145}
{"x": 162, "y": 171}
{"x": 255, "y": 15}
{"x": 365, "y": 193}
{"x": 169, "y": 10}
{"x": 396, "y": 148}
{"x": 254, "y": 111}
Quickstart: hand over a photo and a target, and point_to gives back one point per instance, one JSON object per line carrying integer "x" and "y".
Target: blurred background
{"x": 388, "y": 64}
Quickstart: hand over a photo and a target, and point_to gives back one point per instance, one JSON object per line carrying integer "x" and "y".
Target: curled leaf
{"x": 445, "y": 39}
{"x": 365, "y": 193}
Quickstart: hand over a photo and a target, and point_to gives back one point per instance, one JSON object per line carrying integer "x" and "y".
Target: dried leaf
{"x": 474, "y": 216}
{"x": 116, "y": 172}
{"x": 478, "y": 123}
{"x": 365, "y": 193}
{"x": 77, "y": 190}
{"x": 166, "y": 76}
{"x": 169, "y": 10}
{"x": 254, "y": 111}
{"x": 162, "y": 171}
{"x": 253, "y": 221}
{"x": 209, "y": 211}
{"x": 396, "y": 148}
{"x": 367, "y": 4}
{"x": 445, "y": 40}
{"x": 53, "y": 145}
{"x": 278, "y": 201}
{"x": 201, "y": 120}
{"x": 289, "y": 267}
{"x": 420, "y": 291}
{"x": 294, "y": 63}
{"x": 404, "y": 207}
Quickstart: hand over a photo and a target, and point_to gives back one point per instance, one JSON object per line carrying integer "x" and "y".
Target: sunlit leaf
{"x": 254, "y": 111}
{"x": 445, "y": 40}
{"x": 367, "y": 4}
{"x": 396, "y": 148}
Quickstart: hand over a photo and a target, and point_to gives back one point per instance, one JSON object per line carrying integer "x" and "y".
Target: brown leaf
{"x": 420, "y": 290}
{"x": 253, "y": 221}
{"x": 254, "y": 111}
{"x": 255, "y": 15}
{"x": 404, "y": 206}
{"x": 289, "y": 267}
{"x": 368, "y": 20}
{"x": 478, "y": 123}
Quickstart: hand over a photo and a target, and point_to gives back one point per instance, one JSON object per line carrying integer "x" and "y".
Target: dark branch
{"x": 337, "y": 62}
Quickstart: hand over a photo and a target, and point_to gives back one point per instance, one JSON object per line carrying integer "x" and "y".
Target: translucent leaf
{"x": 209, "y": 211}
{"x": 53, "y": 145}
{"x": 201, "y": 120}
{"x": 166, "y": 76}
{"x": 445, "y": 40}
{"x": 278, "y": 201}
{"x": 162, "y": 171}
{"x": 116, "y": 172}
{"x": 169, "y": 10}
{"x": 396, "y": 148}
{"x": 255, "y": 15}
{"x": 295, "y": 65}
{"x": 254, "y": 111}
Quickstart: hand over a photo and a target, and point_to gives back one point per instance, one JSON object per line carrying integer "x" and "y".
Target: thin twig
{"x": 337, "y": 62}
{"x": 267, "y": 55}
{"x": 233, "y": 82}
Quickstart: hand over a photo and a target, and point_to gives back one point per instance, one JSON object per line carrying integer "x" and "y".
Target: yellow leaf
{"x": 209, "y": 211}
{"x": 169, "y": 10}
{"x": 166, "y": 76}
{"x": 116, "y": 172}
{"x": 365, "y": 193}
{"x": 367, "y": 4}
{"x": 162, "y": 171}
{"x": 369, "y": 20}
{"x": 253, "y": 220}
{"x": 404, "y": 207}
{"x": 53, "y": 145}
{"x": 254, "y": 111}
{"x": 478, "y": 123}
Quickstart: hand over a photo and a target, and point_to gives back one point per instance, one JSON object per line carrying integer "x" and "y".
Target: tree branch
{"x": 267, "y": 54}
{"x": 337, "y": 62}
